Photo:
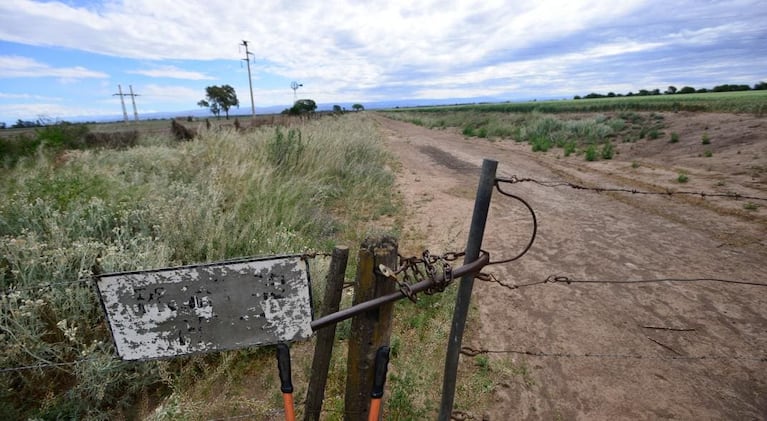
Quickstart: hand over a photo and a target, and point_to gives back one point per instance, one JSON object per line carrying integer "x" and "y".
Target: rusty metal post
{"x": 371, "y": 329}
{"x": 323, "y": 349}
{"x": 462, "y": 301}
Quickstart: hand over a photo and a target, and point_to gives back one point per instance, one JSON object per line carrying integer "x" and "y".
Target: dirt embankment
{"x": 603, "y": 354}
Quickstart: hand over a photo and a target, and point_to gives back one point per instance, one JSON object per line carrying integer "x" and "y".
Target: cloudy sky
{"x": 65, "y": 58}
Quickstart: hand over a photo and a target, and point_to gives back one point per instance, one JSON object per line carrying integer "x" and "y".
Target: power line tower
{"x": 122, "y": 101}
{"x": 248, "y": 54}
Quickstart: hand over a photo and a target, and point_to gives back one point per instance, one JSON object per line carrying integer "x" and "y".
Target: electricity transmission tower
{"x": 248, "y": 54}
{"x": 294, "y": 86}
{"x": 122, "y": 101}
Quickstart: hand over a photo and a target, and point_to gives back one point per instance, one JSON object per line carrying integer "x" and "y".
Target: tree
{"x": 337, "y": 109}
{"x": 219, "y": 98}
{"x": 358, "y": 107}
{"x": 671, "y": 90}
{"x": 687, "y": 90}
{"x": 301, "y": 107}
{"x": 761, "y": 86}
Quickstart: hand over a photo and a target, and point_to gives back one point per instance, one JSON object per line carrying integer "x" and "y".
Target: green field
{"x": 754, "y": 102}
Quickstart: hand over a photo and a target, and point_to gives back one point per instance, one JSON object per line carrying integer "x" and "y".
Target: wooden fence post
{"x": 323, "y": 348}
{"x": 371, "y": 329}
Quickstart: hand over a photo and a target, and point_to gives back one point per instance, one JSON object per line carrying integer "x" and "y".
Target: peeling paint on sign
{"x": 213, "y": 307}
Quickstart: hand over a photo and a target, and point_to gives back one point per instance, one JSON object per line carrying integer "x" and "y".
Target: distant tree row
{"x": 672, "y": 90}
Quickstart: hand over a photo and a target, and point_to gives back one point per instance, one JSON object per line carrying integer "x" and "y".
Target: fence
{"x": 384, "y": 277}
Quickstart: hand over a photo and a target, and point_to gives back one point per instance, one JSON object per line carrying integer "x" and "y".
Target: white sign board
{"x": 212, "y": 307}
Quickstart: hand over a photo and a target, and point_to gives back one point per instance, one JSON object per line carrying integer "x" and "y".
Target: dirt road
{"x": 606, "y": 356}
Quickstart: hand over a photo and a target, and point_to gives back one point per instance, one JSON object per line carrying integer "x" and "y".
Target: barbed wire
{"x": 471, "y": 352}
{"x": 551, "y": 279}
{"x": 47, "y": 365}
{"x": 310, "y": 254}
{"x": 515, "y": 180}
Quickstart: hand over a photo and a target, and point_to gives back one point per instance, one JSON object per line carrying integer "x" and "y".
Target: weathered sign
{"x": 211, "y": 307}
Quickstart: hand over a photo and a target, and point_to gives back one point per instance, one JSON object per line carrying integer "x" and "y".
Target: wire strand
{"x": 471, "y": 352}
{"x": 514, "y": 180}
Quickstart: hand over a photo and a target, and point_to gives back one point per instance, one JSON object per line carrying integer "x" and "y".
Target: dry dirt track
{"x": 590, "y": 236}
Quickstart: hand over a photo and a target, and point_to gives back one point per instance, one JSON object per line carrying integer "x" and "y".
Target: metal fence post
{"x": 462, "y": 301}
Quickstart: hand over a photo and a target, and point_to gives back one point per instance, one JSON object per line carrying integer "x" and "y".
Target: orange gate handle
{"x": 286, "y": 384}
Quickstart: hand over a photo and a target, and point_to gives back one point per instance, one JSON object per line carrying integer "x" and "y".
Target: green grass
{"x": 161, "y": 204}
{"x": 752, "y": 102}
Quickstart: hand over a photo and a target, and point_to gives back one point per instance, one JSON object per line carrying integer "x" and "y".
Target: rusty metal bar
{"x": 465, "y": 270}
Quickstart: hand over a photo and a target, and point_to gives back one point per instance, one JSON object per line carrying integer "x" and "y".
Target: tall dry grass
{"x": 225, "y": 194}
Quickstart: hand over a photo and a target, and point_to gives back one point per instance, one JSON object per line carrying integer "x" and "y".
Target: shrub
{"x": 705, "y": 139}
{"x": 751, "y": 206}
{"x": 635, "y": 164}
{"x": 607, "y": 150}
{"x": 708, "y": 153}
{"x": 468, "y": 131}
{"x": 591, "y": 153}
{"x": 63, "y": 135}
{"x": 674, "y": 137}
{"x": 116, "y": 140}
{"x": 569, "y": 148}
{"x": 541, "y": 144}
{"x": 653, "y": 134}
{"x": 682, "y": 178}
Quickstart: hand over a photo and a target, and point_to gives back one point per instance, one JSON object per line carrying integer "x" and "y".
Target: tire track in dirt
{"x": 594, "y": 236}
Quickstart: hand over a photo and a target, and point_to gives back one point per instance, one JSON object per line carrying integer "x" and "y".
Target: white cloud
{"x": 172, "y": 72}
{"x": 17, "y": 66}
{"x": 170, "y": 94}
{"x": 345, "y": 49}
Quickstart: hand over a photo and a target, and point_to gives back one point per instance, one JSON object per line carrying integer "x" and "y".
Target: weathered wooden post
{"x": 372, "y": 329}
{"x": 323, "y": 349}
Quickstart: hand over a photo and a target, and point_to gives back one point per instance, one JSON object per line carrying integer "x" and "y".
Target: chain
{"x": 415, "y": 269}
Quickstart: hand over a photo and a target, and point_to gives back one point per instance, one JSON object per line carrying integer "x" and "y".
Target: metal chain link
{"x": 415, "y": 269}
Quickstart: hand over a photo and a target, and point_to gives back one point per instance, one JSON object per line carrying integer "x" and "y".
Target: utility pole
{"x": 133, "y": 99}
{"x": 122, "y": 101}
{"x": 250, "y": 81}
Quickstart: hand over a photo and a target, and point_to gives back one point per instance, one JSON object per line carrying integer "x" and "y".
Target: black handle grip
{"x": 382, "y": 365}
{"x": 283, "y": 364}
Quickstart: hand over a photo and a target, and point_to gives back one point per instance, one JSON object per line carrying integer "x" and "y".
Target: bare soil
{"x": 603, "y": 360}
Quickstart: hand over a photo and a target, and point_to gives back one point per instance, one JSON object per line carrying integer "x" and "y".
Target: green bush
{"x": 607, "y": 150}
{"x": 674, "y": 137}
{"x": 591, "y": 153}
{"x": 541, "y": 144}
{"x": 705, "y": 139}
{"x": 569, "y": 148}
{"x": 682, "y": 178}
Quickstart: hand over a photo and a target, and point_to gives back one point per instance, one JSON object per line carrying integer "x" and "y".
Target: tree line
{"x": 672, "y": 90}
